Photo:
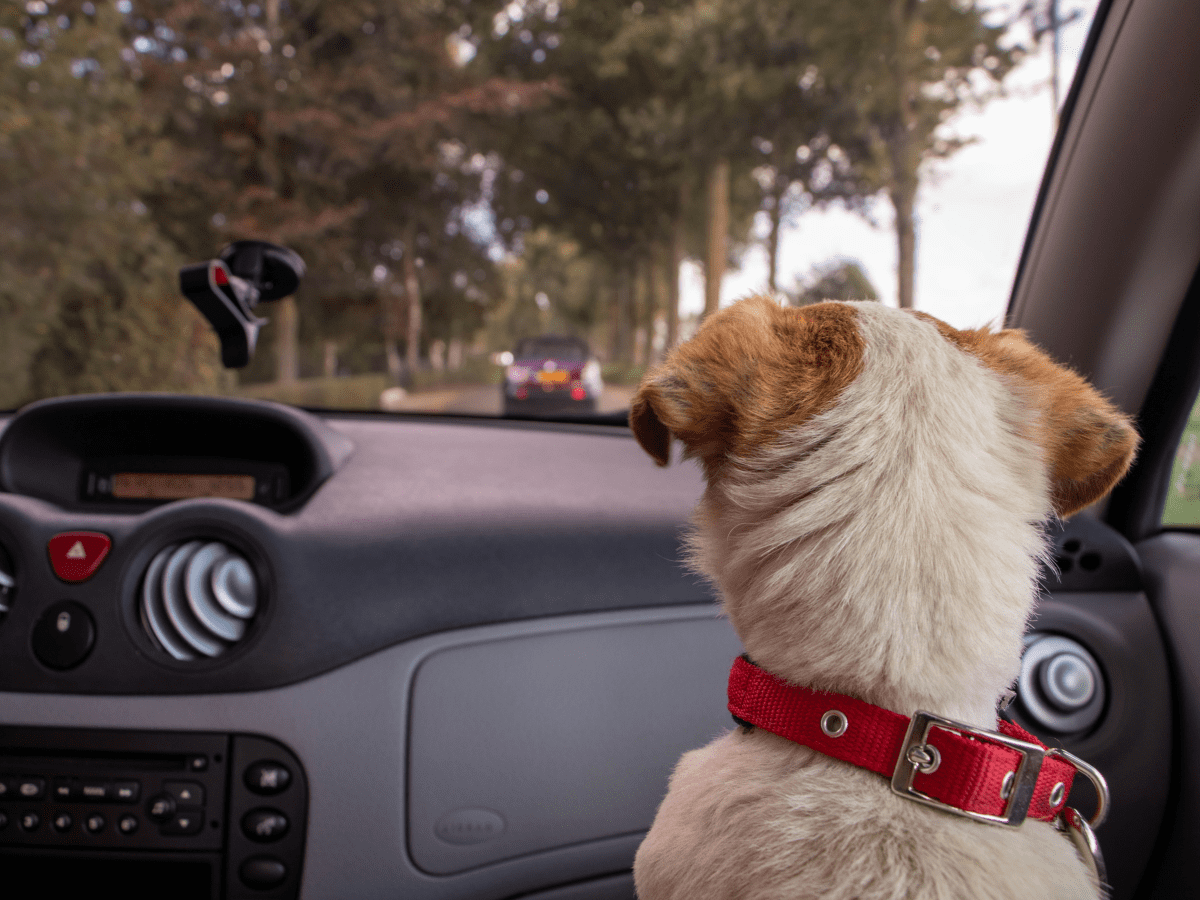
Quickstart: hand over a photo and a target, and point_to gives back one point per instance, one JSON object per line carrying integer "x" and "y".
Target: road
{"x": 483, "y": 400}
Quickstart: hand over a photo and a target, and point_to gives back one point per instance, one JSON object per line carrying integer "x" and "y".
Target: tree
{"x": 925, "y": 59}
{"x": 838, "y": 279}
{"x": 87, "y": 284}
{"x": 333, "y": 129}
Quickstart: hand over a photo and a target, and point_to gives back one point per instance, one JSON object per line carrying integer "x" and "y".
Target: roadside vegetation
{"x": 455, "y": 174}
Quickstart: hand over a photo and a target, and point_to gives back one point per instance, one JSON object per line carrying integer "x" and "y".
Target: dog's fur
{"x": 876, "y": 486}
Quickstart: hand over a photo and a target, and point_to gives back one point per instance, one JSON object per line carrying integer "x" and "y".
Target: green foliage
{"x": 1182, "y": 504}
{"x": 87, "y": 285}
{"x": 400, "y": 147}
{"x": 840, "y": 279}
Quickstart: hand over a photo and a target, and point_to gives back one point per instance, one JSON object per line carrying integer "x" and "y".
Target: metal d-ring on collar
{"x": 1097, "y": 780}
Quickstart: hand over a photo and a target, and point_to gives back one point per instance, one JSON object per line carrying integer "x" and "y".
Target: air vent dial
{"x": 198, "y": 598}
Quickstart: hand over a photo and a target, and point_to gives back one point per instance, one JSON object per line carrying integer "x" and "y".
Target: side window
{"x": 1182, "y": 506}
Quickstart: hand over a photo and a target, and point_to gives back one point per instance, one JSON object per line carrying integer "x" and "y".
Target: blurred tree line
{"x": 456, "y": 173}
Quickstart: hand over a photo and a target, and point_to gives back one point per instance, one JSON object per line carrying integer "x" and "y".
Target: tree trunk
{"x": 903, "y": 198}
{"x": 678, "y": 241}
{"x": 903, "y": 160}
{"x": 718, "y": 234}
{"x": 649, "y": 310}
{"x": 287, "y": 341}
{"x": 331, "y": 359}
{"x": 626, "y": 285}
{"x": 773, "y": 237}
{"x": 412, "y": 294}
{"x": 287, "y": 318}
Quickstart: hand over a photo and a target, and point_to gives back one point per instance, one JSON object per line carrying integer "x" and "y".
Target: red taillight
{"x": 522, "y": 393}
{"x": 578, "y": 393}
{"x": 219, "y": 275}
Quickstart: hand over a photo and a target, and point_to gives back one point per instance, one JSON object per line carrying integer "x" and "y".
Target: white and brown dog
{"x": 877, "y": 482}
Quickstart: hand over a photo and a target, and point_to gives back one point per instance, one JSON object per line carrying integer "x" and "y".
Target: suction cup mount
{"x": 227, "y": 289}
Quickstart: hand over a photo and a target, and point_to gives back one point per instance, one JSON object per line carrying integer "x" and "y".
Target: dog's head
{"x": 756, "y": 370}
{"x": 870, "y": 470}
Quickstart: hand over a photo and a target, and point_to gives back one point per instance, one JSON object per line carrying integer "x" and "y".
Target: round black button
{"x": 62, "y": 822}
{"x": 262, "y": 872}
{"x": 64, "y": 635}
{"x": 268, "y": 777}
{"x": 127, "y": 824}
{"x": 94, "y": 823}
{"x": 264, "y": 825}
{"x": 162, "y": 808}
{"x": 30, "y": 821}
{"x": 3, "y": 821}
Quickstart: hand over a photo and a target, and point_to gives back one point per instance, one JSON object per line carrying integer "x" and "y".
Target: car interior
{"x": 443, "y": 657}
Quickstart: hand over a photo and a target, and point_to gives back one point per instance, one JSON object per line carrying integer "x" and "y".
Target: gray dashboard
{"x": 480, "y": 642}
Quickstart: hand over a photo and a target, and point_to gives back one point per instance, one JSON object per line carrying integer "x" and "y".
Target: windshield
{"x": 483, "y": 192}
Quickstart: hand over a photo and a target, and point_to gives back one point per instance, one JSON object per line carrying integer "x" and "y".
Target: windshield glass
{"x": 501, "y": 206}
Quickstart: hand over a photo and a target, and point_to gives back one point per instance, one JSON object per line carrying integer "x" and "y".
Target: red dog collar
{"x": 1000, "y": 778}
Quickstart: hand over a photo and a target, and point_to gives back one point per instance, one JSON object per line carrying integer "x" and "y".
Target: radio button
{"x": 125, "y": 791}
{"x": 264, "y": 825}
{"x": 31, "y": 788}
{"x": 30, "y": 821}
{"x": 62, "y": 822}
{"x": 262, "y": 873}
{"x": 95, "y": 791}
{"x": 268, "y": 777}
{"x": 162, "y": 808}
{"x": 66, "y": 789}
{"x": 184, "y": 823}
{"x": 127, "y": 824}
{"x": 94, "y": 823}
{"x": 185, "y": 793}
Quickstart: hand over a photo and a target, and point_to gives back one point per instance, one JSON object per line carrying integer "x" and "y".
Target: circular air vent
{"x": 198, "y": 598}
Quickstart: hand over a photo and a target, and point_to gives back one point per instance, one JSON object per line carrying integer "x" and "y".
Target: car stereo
{"x": 187, "y": 814}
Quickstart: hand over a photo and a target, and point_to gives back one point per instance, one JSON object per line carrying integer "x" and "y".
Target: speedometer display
{"x": 178, "y": 486}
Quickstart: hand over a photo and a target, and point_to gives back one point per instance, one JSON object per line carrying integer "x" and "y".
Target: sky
{"x": 972, "y": 209}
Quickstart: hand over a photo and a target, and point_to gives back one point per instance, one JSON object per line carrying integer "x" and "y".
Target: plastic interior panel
{"x": 428, "y": 526}
{"x": 1131, "y": 745}
{"x": 510, "y": 739}
{"x": 348, "y": 728}
{"x": 618, "y": 887}
{"x": 1172, "y": 563}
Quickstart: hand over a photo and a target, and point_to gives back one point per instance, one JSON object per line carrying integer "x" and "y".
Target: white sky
{"x": 972, "y": 210}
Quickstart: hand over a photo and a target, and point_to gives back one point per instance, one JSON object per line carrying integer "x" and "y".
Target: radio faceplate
{"x": 119, "y": 803}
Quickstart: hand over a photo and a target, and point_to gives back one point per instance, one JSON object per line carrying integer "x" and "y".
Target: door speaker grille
{"x": 198, "y": 598}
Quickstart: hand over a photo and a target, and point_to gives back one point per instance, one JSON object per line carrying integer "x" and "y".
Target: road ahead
{"x": 485, "y": 400}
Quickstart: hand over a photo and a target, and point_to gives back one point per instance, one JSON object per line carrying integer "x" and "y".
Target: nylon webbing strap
{"x": 971, "y": 773}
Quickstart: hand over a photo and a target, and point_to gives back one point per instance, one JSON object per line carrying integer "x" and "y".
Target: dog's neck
{"x": 888, "y": 548}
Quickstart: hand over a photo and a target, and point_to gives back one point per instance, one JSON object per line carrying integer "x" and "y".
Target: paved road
{"x": 485, "y": 400}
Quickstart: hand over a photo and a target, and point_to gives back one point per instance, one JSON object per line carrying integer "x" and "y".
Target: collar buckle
{"x": 915, "y": 756}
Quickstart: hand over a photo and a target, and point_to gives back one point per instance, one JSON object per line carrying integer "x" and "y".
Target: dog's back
{"x": 876, "y": 482}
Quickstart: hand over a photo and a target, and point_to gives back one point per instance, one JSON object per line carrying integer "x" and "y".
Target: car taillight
{"x": 578, "y": 393}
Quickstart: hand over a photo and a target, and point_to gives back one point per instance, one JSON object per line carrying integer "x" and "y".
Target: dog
{"x": 876, "y": 486}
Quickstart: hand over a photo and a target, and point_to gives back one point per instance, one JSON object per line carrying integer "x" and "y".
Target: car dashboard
{"x": 263, "y": 652}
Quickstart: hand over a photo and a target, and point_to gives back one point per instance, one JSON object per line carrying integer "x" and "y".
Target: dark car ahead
{"x": 551, "y": 375}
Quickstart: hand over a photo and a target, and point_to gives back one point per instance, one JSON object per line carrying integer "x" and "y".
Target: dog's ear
{"x": 1089, "y": 443}
{"x": 690, "y": 396}
{"x": 753, "y": 371}
{"x": 646, "y": 423}
{"x": 676, "y": 400}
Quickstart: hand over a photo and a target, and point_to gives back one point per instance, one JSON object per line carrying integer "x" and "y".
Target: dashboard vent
{"x": 198, "y": 598}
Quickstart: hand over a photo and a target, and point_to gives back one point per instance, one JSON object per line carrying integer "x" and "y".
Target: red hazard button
{"x": 76, "y": 555}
